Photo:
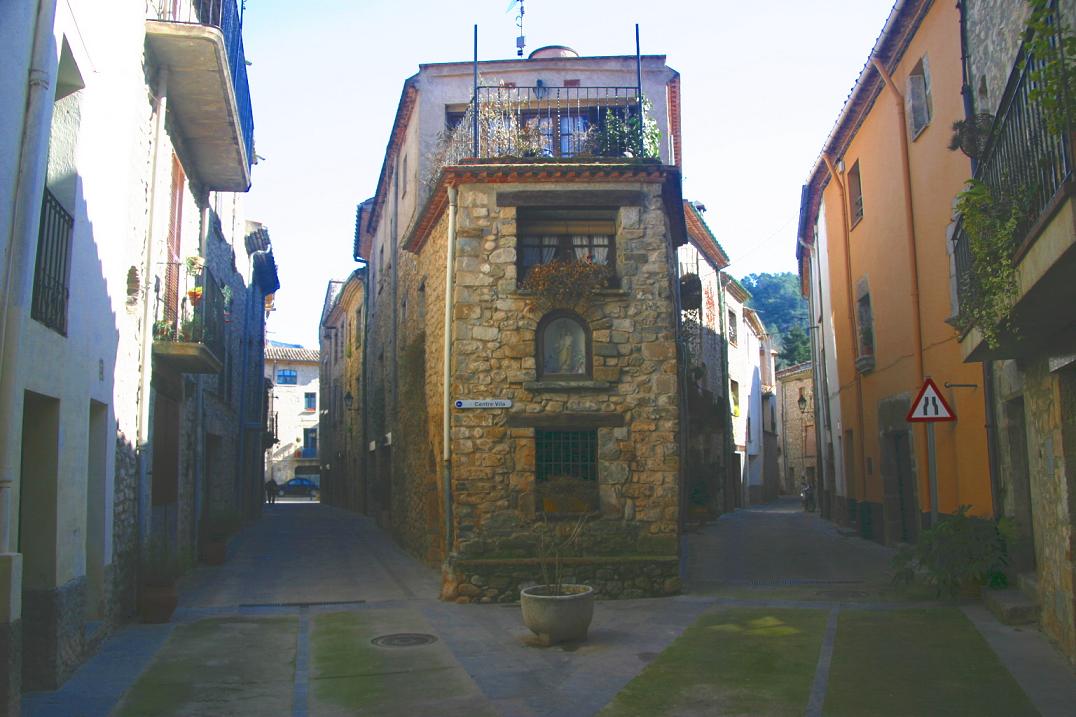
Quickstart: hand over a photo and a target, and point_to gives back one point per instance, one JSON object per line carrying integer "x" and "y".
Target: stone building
{"x": 294, "y": 374}
{"x": 342, "y": 346}
{"x": 126, "y": 312}
{"x": 795, "y": 408}
{"x": 493, "y": 414}
{"x": 1030, "y": 365}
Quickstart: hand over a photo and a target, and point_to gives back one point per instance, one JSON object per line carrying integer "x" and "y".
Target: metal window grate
{"x": 49, "y": 305}
{"x": 566, "y": 453}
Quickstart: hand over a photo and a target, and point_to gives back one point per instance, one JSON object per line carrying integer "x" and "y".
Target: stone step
{"x": 1011, "y": 606}
{"x": 1029, "y": 585}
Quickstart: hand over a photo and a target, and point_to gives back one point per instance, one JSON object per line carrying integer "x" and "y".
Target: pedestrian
{"x": 270, "y": 491}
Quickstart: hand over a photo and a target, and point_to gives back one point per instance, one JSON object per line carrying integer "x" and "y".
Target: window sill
{"x": 587, "y": 385}
{"x": 520, "y": 293}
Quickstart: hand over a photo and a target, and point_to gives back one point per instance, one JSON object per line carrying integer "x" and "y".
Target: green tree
{"x": 777, "y": 299}
{"x": 795, "y": 347}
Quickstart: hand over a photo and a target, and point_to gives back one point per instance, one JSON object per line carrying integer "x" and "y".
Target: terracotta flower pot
{"x": 558, "y": 618}
{"x": 157, "y": 603}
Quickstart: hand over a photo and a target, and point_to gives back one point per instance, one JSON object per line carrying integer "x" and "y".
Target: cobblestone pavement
{"x": 310, "y": 560}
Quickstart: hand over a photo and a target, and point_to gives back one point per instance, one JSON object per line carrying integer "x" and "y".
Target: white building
{"x": 294, "y": 409}
{"x": 125, "y": 137}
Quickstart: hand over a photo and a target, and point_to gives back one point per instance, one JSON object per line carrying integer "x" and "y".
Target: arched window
{"x": 563, "y": 347}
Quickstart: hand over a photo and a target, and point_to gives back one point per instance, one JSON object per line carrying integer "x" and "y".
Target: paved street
{"x": 308, "y": 587}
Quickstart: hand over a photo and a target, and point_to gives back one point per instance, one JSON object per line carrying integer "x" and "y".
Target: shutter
{"x": 927, "y": 101}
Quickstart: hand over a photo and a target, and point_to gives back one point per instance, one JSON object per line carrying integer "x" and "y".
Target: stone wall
{"x": 123, "y": 589}
{"x": 797, "y": 428}
{"x": 994, "y": 32}
{"x": 54, "y": 618}
{"x": 632, "y": 401}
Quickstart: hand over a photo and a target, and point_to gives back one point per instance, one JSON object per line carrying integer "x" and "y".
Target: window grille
{"x": 566, "y": 454}
{"x": 51, "y": 269}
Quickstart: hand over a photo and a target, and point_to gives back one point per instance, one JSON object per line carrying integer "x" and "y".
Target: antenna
{"x": 521, "y": 40}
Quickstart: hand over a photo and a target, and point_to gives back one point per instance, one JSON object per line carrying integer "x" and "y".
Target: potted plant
{"x": 158, "y": 597}
{"x": 163, "y": 330}
{"x": 195, "y": 264}
{"x": 557, "y": 611}
{"x": 219, "y": 526}
{"x": 565, "y": 283}
{"x": 195, "y": 295}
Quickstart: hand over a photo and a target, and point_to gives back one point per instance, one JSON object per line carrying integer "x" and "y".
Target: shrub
{"x": 959, "y": 552}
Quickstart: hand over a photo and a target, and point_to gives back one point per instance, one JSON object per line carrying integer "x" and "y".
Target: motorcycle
{"x": 807, "y": 497}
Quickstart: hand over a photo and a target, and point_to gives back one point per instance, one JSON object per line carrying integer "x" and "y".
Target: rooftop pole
{"x": 474, "y": 99}
{"x": 639, "y": 91}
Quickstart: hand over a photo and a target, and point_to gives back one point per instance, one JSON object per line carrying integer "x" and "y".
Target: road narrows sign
{"x": 930, "y": 406}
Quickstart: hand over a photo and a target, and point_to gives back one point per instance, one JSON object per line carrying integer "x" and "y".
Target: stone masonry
{"x": 628, "y": 547}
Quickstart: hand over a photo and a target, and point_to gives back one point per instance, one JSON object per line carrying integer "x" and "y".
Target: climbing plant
{"x": 1053, "y": 74}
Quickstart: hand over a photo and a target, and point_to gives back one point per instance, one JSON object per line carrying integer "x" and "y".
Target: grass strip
{"x": 734, "y": 661}
{"x": 217, "y": 667}
{"x": 918, "y": 662}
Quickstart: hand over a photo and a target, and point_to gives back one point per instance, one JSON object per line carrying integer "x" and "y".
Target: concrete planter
{"x": 558, "y": 618}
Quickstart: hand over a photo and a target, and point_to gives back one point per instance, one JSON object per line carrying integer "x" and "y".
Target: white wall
{"x": 292, "y": 416}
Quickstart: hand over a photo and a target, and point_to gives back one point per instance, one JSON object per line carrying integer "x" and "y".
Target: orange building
{"x": 873, "y": 256}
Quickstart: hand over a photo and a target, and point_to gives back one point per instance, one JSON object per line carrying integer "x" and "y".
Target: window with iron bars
{"x": 566, "y": 470}
{"x": 52, "y": 266}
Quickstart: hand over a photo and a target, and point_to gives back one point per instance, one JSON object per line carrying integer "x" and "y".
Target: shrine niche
{"x": 563, "y": 347}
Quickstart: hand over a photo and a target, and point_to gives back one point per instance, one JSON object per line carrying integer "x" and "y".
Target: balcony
{"x": 201, "y": 44}
{"x": 1023, "y": 159}
{"x": 559, "y": 123}
{"x": 189, "y": 337}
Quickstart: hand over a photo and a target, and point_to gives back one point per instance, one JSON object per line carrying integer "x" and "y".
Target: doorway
{"x": 96, "y": 538}
{"x": 1022, "y": 558}
{"x": 901, "y": 489}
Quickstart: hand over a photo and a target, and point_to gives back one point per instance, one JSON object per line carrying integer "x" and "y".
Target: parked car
{"x": 300, "y": 486}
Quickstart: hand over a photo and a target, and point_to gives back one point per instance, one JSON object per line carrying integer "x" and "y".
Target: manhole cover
{"x": 404, "y": 639}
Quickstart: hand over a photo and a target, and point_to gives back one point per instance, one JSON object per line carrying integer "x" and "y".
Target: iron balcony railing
{"x": 225, "y": 16}
{"x": 560, "y": 122}
{"x": 200, "y": 319}
{"x": 1022, "y": 162}
{"x": 53, "y": 265}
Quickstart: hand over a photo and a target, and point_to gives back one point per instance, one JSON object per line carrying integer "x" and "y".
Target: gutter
{"x": 22, "y": 246}
{"x": 446, "y": 453}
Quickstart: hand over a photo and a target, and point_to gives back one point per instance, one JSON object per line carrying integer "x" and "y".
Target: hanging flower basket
{"x": 195, "y": 295}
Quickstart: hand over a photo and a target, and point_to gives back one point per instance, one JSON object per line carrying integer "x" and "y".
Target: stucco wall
{"x": 293, "y": 417}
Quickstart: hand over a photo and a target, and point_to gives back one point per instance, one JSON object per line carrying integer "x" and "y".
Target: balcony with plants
{"x": 200, "y": 44}
{"x": 188, "y": 331}
{"x": 1014, "y": 243}
{"x": 543, "y": 124}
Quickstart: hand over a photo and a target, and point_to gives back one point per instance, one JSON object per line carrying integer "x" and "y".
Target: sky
{"x": 762, "y": 84}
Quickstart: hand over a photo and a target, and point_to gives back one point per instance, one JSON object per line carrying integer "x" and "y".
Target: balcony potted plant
{"x": 195, "y": 264}
{"x": 557, "y": 611}
{"x": 195, "y": 295}
{"x": 158, "y": 597}
{"x": 163, "y": 330}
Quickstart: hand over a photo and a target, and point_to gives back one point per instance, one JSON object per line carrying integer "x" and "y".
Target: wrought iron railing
{"x": 1023, "y": 162}
{"x": 225, "y": 16}
{"x": 53, "y": 265}
{"x": 200, "y": 319}
{"x": 562, "y": 122}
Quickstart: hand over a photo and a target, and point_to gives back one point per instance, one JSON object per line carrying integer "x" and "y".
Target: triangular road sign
{"x": 930, "y": 405}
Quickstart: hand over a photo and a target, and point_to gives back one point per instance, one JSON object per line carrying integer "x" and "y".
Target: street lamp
{"x": 348, "y": 400}
{"x": 802, "y": 403}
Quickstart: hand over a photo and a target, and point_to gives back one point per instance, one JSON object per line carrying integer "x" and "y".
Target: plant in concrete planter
{"x": 158, "y": 597}
{"x": 557, "y": 611}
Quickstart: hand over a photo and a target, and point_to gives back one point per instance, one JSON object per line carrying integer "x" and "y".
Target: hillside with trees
{"x": 777, "y": 299}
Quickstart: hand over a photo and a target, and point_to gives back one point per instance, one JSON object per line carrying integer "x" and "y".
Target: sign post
{"x": 930, "y": 407}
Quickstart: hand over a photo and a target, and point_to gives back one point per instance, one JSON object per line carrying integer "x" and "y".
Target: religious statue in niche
{"x": 564, "y": 344}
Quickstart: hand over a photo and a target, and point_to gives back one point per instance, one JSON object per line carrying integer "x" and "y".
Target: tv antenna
{"x": 521, "y": 41}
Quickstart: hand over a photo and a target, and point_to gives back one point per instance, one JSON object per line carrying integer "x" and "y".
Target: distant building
{"x": 795, "y": 407}
{"x": 293, "y": 373}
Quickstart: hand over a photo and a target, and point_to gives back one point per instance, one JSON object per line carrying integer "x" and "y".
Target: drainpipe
{"x": 845, "y": 235}
{"x": 446, "y": 453}
{"x": 19, "y": 278}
